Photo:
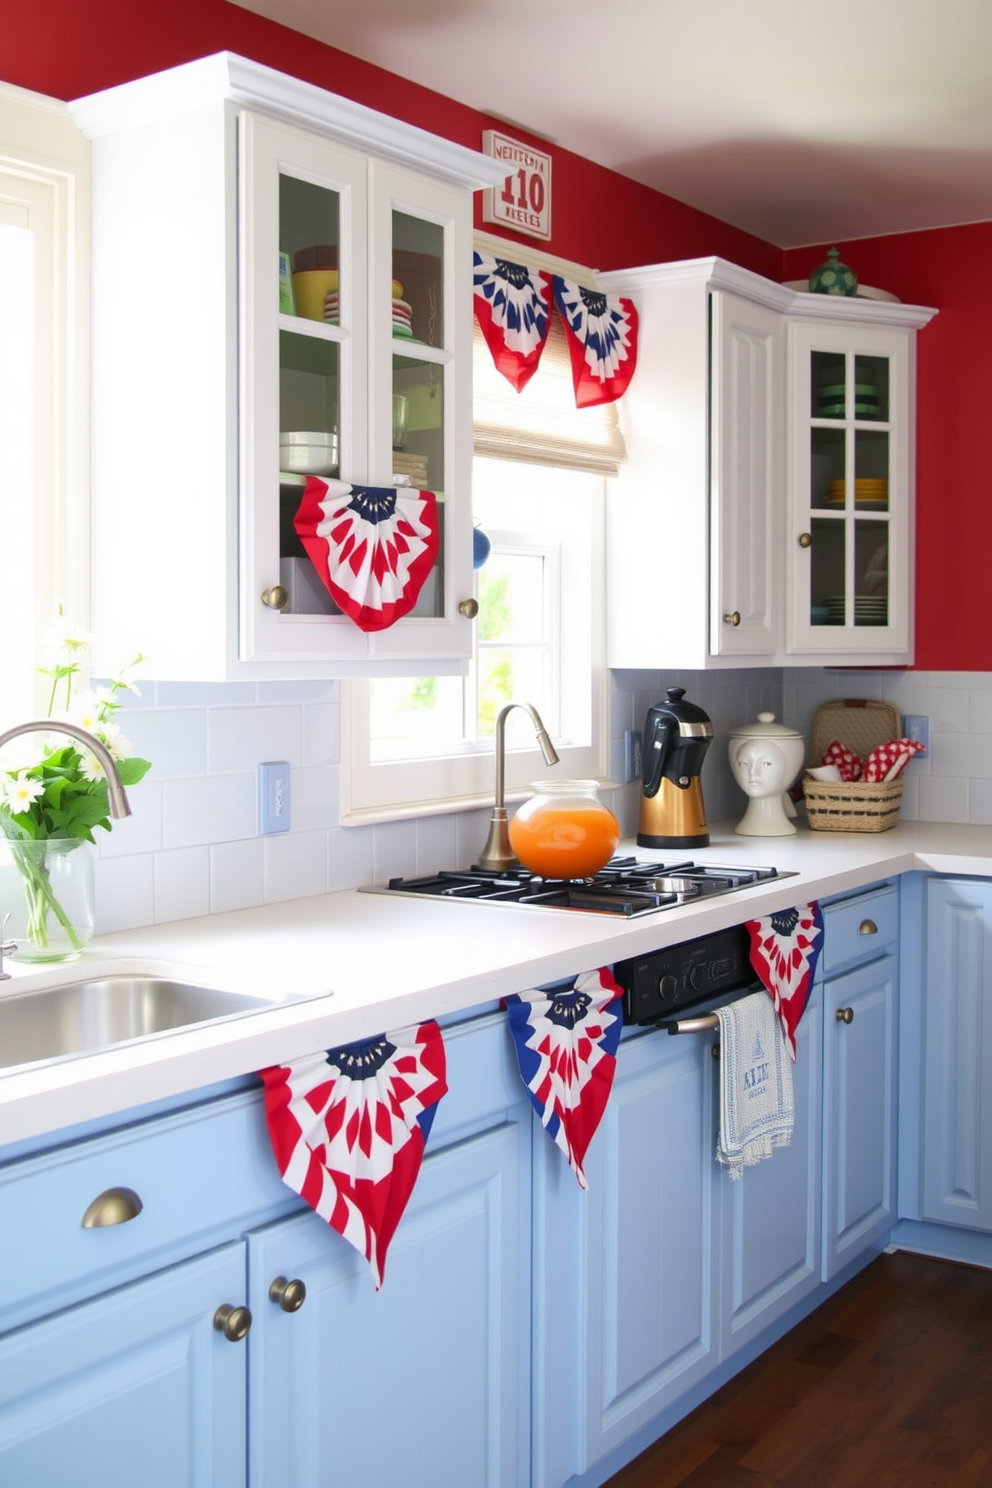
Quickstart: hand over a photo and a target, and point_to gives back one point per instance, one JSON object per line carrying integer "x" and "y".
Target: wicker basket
{"x": 860, "y": 725}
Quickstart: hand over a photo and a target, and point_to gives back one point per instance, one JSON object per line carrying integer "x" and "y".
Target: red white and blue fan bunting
{"x": 348, "y": 1130}
{"x": 513, "y": 308}
{"x": 785, "y": 948}
{"x": 566, "y": 1043}
{"x": 601, "y": 331}
{"x": 372, "y": 546}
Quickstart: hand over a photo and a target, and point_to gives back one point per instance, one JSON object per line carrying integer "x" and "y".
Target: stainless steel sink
{"x": 99, "y": 1013}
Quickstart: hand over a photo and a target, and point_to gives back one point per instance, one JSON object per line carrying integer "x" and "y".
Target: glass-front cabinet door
{"x": 352, "y": 271}
{"x": 851, "y": 491}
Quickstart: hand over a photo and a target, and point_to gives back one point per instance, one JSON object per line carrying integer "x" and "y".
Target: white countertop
{"x": 374, "y": 962}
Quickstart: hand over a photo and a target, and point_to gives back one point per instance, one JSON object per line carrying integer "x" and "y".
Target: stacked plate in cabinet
{"x": 831, "y": 395}
{"x": 869, "y": 494}
{"x": 869, "y": 609}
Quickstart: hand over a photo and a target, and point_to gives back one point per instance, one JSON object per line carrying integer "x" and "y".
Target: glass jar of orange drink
{"x": 564, "y": 830}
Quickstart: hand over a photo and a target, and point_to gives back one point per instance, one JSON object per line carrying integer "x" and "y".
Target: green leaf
{"x": 132, "y": 770}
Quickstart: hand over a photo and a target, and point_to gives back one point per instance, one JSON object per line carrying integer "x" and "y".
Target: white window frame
{"x": 444, "y": 783}
{"x": 44, "y": 529}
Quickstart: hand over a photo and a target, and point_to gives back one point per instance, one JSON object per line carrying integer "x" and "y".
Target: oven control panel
{"x": 662, "y": 983}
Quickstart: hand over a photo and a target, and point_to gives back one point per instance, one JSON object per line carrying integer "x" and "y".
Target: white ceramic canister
{"x": 766, "y": 758}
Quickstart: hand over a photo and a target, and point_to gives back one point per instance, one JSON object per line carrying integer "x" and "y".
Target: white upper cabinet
{"x": 206, "y": 177}
{"x": 762, "y": 515}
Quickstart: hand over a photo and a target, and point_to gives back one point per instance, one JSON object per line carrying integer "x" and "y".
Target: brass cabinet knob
{"x": 734, "y": 618}
{"x": 469, "y": 608}
{"x": 233, "y": 1322}
{"x": 277, "y": 598}
{"x": 805, "y": 539}
{"x": 290, "y": 1295}
{"x": 845, "y": 1015}
{"x": 867, "y": 927}
{"x": 115, "y": 1206}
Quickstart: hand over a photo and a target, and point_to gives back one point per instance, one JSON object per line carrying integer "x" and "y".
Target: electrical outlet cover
{"x": 273, "y": 797}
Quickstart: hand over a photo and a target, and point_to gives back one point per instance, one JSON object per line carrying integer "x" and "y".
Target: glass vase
{"x": 46, "y": 887}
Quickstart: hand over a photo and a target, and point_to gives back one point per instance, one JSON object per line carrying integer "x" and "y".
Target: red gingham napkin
{"x": 848, "y": 764}
{"x": 889, "y": 760}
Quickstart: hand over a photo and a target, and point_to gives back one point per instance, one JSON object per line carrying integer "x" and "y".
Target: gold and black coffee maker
{"x": 676, "y": 737}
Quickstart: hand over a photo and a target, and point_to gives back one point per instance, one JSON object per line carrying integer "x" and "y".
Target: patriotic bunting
{"x": 372, "y": 546}
{"x": 348, "y": 1130}
{"x": 601, "y": 331}
{"x": 566, "y": 1043}
{"x": 785, "y": 948}
{"x": 514, "y": 313}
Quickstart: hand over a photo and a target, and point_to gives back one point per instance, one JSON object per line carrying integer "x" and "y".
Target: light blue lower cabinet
{"x": 859, "y": 1129}
{"x": 771, "y": 1224}
{"x": 666, "y": 1267}
{"x": 135, "y": 1389}
{"x": 957, "y": 1054}
{"x": 424, "y": 1384}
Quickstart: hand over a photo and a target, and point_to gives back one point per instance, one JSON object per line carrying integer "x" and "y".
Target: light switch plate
{"x": 273, "y": 797}
{"x": 917, "y": 726}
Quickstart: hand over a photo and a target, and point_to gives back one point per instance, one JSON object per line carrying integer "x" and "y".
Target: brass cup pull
{"x": 115, "y": 1206}
{"x": 805, "y": 539}
{"x": 277, "y": 598}
{"x": 867, "y": 927}
{"x": 290, "y": 1295}
{"x": 845, "y": 1015}
{"x": 469, "y": 608}
{"x": 233, "y": 1322}
{"x": 734, "y": 618}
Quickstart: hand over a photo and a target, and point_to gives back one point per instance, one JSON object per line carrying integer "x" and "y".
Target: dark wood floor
{"x": 888, "y": 1384}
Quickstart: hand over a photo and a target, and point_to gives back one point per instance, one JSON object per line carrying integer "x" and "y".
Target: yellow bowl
{"x": 310, "y": 289}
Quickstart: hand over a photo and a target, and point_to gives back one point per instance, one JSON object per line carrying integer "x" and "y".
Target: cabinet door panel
{"x": 746, "y": 460}
{"x": 774, "y": 1209}
{"x": 957, "y": 1157}
{"x": 424, "y": 1383}
{"x": 133, "y": 1390}
{"x": 859, "y": 1116}
{"x": 624, "y": 1276}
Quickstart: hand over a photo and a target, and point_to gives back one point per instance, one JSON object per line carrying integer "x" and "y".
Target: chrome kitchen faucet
{"x": 116, "y": 794}
{"x": 497, "y": 852}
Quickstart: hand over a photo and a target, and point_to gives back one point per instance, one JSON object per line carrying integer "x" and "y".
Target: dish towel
{"x": 348, "y": 1129}
{"x": 785, "y": 948}
{"x": 756, "y": 1107}
{"x": 566, "y": 1043}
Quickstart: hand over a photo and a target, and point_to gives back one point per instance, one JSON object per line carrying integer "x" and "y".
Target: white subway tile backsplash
{"x": 124, "y": 891}
{"x": 241, "y": 738}
{"x": 208, "y": 808}
{"x": 237, "y": 875}
{"x": 182, "y": 883}
{"x": 437, "y": 843}
{"x": 174, "y": 739}
{"x": 295, "y": 866}
{"x": 192, "y": 846}
{"x": 349, "y": 857}
{"x": 140, "y": 832}
{"x": 943, "y": 800}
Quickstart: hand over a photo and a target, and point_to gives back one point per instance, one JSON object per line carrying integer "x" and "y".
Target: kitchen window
{"x": 44, "y": 532}
{"x": 415, "y": 746}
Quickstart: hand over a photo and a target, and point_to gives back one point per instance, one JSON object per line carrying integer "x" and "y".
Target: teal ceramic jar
{"x": 833, "y": 277}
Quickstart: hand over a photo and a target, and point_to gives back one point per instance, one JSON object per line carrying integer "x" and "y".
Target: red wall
{"x": 72, "y": 47}
{"x": 948, "y": 269}
{"x": 599, "y": 218}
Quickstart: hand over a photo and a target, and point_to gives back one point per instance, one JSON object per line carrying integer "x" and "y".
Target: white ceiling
{"x": 802, "y": 121}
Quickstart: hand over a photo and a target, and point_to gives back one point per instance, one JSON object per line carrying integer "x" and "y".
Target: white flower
{"x": 65, "y": 639}
{"x": 85, "y": 709}
{"x": 117, "y": 746}
{"x": 89, "y": 766}
{"x": 19, "y": 794}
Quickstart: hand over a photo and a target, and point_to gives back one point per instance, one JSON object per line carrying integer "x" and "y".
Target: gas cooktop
{"x": 626, "y": 886}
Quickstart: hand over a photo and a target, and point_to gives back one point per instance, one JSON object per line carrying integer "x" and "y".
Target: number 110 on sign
{"x": 523, "y": 202}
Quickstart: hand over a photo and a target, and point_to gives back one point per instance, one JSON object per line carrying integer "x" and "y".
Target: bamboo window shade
{"x": 541, "y": 425}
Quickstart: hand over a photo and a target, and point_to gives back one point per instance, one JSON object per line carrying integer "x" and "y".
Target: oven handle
{"x": 705, "y": 1024}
